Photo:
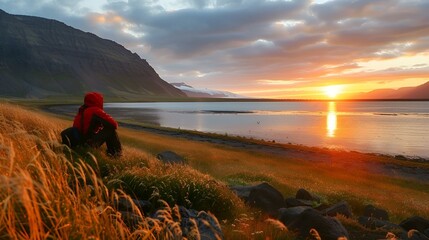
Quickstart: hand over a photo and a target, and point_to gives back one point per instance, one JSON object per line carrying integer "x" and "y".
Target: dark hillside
{"x": 42, "y": 57}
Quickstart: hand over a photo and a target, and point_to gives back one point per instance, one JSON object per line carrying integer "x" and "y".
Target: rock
{"x": 208, "y": 226}
{"x": 342, "y": 208}
{"x": 305, "y": 195}
{"x": 132, "y": 220}
{"x": 321, "y": 207}
{"x": 170, "y": 157}
{"x": 293, "y": 202}
{"x": 266, "y": 198}
{"x": 415, "y": 235}
{"x": 262, "y": 196}
{"x": 190, "y": 228}
{"x": 401, "y": 157}
{"x": 374, "y": 223}
{"x": 178, "y": 221}
{"x": 124, "y": 204}
{"x": 187, "y": 213}
{"x": 415, "y": 222}
{"x": 426, "y": 232}
{"x": 328, "y": 228}
{"x": 287, "y": 215}
{"x": 373, "y": 212}
{"x": 188, "y": 223}
{"x": 203, "y": 226}
{"x": 242, "y": 192}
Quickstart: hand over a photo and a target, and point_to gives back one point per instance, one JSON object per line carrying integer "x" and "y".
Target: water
{"x": 376, "y": 127}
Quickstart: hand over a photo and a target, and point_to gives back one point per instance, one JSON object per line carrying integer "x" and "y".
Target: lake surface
{"x": 376, "y": 127}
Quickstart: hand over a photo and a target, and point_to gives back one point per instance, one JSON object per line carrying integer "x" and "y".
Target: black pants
{"x": 109, "y": 136}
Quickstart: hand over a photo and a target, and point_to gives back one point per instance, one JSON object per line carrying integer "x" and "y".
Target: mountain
{"x": 204, "y": 93}
{"x": 419, "y": 92}
{"x": 42, "y": 57}
{"x": 386, "y": 93}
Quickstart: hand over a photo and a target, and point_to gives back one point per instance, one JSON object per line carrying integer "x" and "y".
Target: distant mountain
{"x": 41, "y": 57}
{"x": 204, "y": 92}
{"x": 419, "y": 92}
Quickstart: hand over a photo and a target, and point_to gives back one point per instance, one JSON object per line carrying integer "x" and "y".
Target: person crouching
{"x": 94, "y": 127}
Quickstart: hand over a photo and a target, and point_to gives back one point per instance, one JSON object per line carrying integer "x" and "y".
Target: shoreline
{"x": 403, "y": 167}
{"x": 389, "y": 165}
{"x": 398, "y": 150}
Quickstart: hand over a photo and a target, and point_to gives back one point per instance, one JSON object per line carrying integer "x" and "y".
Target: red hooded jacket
{"x": 93, "y": 104}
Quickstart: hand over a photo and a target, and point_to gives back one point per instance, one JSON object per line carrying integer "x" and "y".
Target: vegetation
{"x": 345, "y": 177}
{"x": 48, "y": 191}
{"x": 180, "y": 185}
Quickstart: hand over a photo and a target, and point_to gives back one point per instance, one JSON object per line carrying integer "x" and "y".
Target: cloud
{"x": 233, "y": 44}
{"x": 194, "y": 31}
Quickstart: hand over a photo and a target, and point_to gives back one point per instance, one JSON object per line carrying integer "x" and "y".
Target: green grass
{"x": 246, "y": 178}
{"x": 179, "y": 185}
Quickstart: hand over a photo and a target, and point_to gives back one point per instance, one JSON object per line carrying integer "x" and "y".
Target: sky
{"x": 262, "y": 48}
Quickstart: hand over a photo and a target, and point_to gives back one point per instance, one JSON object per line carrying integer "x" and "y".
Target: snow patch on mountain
{"x": 204, "y": 92}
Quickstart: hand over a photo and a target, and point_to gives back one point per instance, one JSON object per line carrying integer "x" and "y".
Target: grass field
{"x": 49, "y": 192}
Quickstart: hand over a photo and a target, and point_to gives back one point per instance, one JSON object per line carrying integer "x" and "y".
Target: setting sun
{"x": 332, "y": 91}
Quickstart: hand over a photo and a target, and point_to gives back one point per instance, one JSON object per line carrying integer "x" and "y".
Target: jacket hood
{"x": 94, "y": 99}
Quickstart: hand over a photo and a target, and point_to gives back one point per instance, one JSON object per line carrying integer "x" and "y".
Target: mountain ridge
{"x": 420, "y": 92}
{"x": 42, "y": 57}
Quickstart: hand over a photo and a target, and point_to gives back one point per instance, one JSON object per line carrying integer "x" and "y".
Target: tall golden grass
{"x": 45, "y": 195}
{"x": 49, "y": 191}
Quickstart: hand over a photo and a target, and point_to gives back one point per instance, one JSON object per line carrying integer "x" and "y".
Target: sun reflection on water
{"x": 331, "y": 120}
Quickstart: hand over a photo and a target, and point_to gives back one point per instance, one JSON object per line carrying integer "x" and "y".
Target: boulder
{"x": 203, "y": 225}
{"x": 189, "y": 223}
{"x": 375, "y": 223}
{"x": 415, "y": 235}
{"x": 328, "y": 228}
{"x": 426, "y": 232}
{"x": 416, "y": 222}
{"x": 170, "y": 157}
{"x": 187, "y": 213}
{"x": 266, "y": 197}
{"x": 322, "y": 207}
{"x": 132, "y": 220}
{"x": 262, "y": 196}
{"x": 208, "y": 226}
{"x": 293, "y": 202}
{"x": 373, "y": 212}
{"x": 242, "y": 192}
{"x": 306, "y": 195}
{"x": 342, "y": 208}
{"x": 288, "y": 215}
{"x": 125, "y": 204}
{"x": 189, "y": 228}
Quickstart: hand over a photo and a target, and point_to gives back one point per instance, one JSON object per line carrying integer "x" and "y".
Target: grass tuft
{"x": 177, "y": 184}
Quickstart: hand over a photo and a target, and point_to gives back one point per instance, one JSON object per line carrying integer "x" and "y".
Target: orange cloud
{"x": 106, "y": 18}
